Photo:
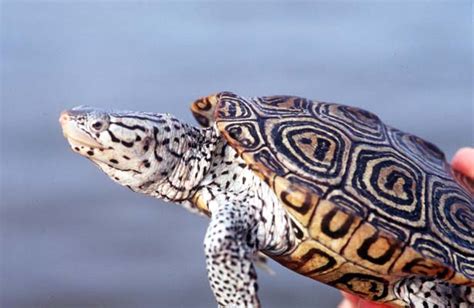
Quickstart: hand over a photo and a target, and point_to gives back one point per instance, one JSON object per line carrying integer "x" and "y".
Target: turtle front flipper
{"x": 246, "y": 220}
{"x": 230, "y": 247}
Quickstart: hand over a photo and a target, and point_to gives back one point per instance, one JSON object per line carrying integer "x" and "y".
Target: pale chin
{"x": 120, "y": 177}
{"x": 74, "y": 143}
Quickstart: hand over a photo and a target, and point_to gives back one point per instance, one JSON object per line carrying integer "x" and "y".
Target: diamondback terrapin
{"x": 327, "y": 190}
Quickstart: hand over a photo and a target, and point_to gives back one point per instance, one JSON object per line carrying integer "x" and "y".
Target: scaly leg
{"x": 230, "y": 247}
{"x": 431, "y": 293}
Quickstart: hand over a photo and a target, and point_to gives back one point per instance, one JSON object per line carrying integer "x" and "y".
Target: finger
{"x": 352, "y": 301}
{"x": 346, "y": 304}
{"x": 367, "y": 304}
{"x": 463, "y": 161}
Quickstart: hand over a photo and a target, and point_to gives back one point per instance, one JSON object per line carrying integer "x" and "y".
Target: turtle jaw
{"x": 74, "y": 135}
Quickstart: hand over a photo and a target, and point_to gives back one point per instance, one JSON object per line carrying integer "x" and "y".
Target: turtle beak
{"x": 64, "y": 118}
{"x": 73, "y": 133}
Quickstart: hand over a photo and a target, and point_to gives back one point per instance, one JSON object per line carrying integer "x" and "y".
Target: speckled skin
{"x": 432, "y": 293}
{"x": 158, "y": 155}
{"x": 246, "y": 218}
{"x": 175, "y": 162}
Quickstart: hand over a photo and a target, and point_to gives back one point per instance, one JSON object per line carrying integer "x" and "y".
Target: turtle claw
{"x": 261, "y": 261}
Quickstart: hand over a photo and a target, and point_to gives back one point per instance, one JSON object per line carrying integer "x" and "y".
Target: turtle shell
{"x": 370, "y": 204}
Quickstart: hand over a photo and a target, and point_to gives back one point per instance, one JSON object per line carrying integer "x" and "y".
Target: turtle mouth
{"x": 83, "y": 140}
{"x": 76, "y": 136}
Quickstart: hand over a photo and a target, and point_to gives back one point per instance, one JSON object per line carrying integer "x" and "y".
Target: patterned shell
{"x": 369, "y": 204}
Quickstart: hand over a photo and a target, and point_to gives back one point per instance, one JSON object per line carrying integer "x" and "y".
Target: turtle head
{"x": 125, "y": 145}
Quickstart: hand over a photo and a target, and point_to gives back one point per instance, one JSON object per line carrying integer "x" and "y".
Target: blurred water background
{"x": 70, "y": 237}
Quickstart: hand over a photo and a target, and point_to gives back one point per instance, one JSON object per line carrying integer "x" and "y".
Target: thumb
{"x": 463, "y": 161}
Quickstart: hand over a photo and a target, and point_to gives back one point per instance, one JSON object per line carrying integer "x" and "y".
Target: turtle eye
{"x": 99, "y": 125}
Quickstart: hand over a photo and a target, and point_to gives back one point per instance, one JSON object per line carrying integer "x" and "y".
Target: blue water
{"x": 72, "y": 238}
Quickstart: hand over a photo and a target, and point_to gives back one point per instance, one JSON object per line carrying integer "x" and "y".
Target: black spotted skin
{"x": 373, "y": 204}
{"x": 327, "y": 190}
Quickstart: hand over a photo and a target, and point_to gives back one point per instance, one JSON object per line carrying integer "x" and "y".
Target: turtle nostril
{"x": 64, "y": 117}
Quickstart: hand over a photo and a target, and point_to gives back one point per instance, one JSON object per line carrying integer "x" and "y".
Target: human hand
{"x": 352, "y": 301}
{"x": 463, "y": 161}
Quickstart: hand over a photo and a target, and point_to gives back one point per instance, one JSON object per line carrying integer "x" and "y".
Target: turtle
{"x": 326, "y": 190}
